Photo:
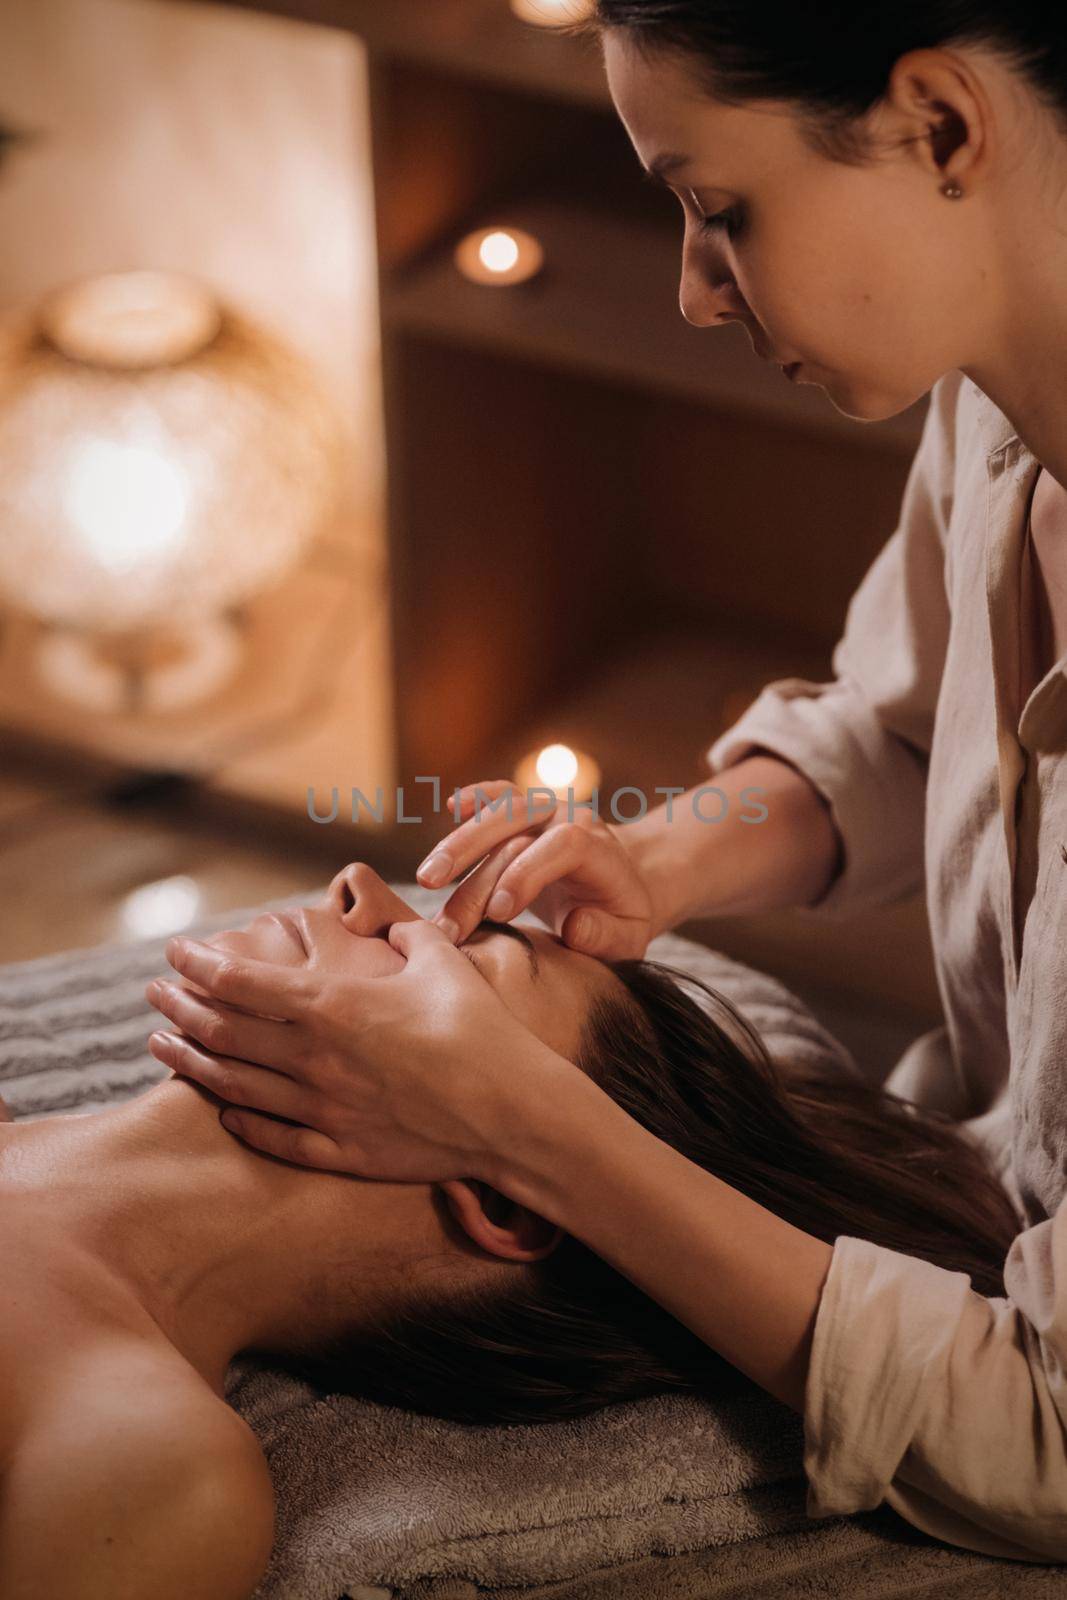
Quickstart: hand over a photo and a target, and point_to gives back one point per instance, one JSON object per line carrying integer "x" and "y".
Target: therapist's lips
{"x": 790, "y": 368}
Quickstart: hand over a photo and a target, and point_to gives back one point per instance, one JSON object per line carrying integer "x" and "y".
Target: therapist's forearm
{"x": 743, "y": 1280}
{"x": 737, "y": 865}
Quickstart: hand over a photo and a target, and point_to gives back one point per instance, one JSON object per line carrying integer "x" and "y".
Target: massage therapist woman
{"x": 879, "y": 193}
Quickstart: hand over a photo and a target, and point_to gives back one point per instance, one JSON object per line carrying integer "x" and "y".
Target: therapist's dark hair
{"x": 833, "y": 59}
{"x": 829, "y": 1153}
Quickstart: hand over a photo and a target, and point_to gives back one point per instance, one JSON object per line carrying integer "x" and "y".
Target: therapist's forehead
{"x": 657, "y": 95}
{"x": 667, "y": 110}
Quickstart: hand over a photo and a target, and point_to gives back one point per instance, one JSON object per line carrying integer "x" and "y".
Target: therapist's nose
{"x": 707, "y": 293}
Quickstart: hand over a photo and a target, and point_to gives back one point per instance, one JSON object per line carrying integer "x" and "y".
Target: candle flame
{"x": 498, "y": 251}
{"x": 557, "y": 766}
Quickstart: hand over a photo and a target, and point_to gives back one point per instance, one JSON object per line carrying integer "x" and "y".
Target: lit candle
{"x": 553, "y": 13}
{"x": 559, "y": 768}
{"x": 499, "y": 256}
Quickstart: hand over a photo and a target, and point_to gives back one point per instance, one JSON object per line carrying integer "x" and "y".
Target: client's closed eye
{"x": 465, "y": 949}
{"x": 507, "y": 930}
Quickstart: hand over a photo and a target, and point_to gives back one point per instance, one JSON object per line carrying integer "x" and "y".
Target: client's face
{"x": 547, "y": 986}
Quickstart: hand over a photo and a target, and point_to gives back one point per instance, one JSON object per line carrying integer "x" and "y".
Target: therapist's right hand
{"x": 579, "y": 876}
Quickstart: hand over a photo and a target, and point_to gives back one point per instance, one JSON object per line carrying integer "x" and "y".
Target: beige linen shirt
{"x": 950, "y": 1406}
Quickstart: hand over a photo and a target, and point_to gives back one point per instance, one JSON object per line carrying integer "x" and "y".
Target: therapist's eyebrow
{"x": 669, "y": 161}
{"x": 487, "y": 925}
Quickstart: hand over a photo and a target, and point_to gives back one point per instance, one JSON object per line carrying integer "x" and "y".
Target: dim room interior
{"x": 345, "y": 413}
{"x": 142, "y": 136}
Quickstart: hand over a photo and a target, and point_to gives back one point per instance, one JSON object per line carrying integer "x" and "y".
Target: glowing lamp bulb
{"x": 127, "y": 501}
{"x": 553, "y": 13}
{"x": 556, "y": 766}
{"x": 162, "y": 462}
{"x": 499, "y": 256}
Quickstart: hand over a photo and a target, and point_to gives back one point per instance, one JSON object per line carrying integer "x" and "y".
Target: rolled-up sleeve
{"x": 864, "y": 738}
{"x": 949, "y": 1406}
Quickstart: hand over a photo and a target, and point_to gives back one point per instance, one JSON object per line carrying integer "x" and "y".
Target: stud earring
{"x": 951, "y": 190}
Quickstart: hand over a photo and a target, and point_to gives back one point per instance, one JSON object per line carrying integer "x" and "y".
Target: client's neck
{"x": 227, "y": 1250}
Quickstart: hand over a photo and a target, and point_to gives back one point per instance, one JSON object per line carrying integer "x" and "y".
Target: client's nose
{"x": 340, "y": 895}
{"x": 364, "y": 901}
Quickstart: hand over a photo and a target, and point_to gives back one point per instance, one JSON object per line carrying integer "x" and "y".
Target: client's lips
{"x": 791, "y": 368}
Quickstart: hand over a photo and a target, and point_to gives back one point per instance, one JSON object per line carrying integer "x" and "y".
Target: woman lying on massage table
{"x": 144, "y": 1248}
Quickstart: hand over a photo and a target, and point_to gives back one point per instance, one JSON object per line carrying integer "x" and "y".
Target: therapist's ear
{"x": 499, "y": 1225}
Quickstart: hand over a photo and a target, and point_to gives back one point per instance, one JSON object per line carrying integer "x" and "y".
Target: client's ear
{"x": 499, "y": 1225}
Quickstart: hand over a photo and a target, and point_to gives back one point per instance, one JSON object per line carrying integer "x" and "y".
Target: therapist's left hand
{"x": 414, "y": 1076}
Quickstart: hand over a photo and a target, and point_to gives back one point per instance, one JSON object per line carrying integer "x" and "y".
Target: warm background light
{"x": 553, "y": 13}
{"x": 164, "y": 906}
{"x": 267, "y": 208}
{"x": 498, "y": 252}
{"x": 128, "y": 501}
{"x": 560, "y": 768}
{"x": 499, "y": 256}
{"x": 162, "y": 460}
{"x": 557, "y": 766}
{"x": 131, "y": 319}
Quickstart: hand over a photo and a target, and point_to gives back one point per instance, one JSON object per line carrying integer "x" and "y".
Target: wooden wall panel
{"x": 514, "y": 554}
{"x": 750, "y": 518}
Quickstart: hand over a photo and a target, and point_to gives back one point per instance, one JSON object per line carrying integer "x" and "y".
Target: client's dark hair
{"x": 833, "y": 60}
{"x": 831, "y": 1155}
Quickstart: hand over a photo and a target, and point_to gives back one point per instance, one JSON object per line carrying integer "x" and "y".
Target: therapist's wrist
{"x": 664, "y": 869}
{"x": 557, "y": 1127}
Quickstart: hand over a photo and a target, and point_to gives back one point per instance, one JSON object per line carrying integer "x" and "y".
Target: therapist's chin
{"x": 863, "y": 402}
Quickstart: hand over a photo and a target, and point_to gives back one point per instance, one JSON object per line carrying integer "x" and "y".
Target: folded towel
{"x": 875, "y": 1556}
{"x": 670, "y": 1496}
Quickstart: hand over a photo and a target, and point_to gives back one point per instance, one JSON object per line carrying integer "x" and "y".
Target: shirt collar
{"x": 993, "y": 426}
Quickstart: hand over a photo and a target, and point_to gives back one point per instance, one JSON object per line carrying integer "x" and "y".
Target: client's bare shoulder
{"x": 122, "y": 1473}
{"x": 128, "y": 1477}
